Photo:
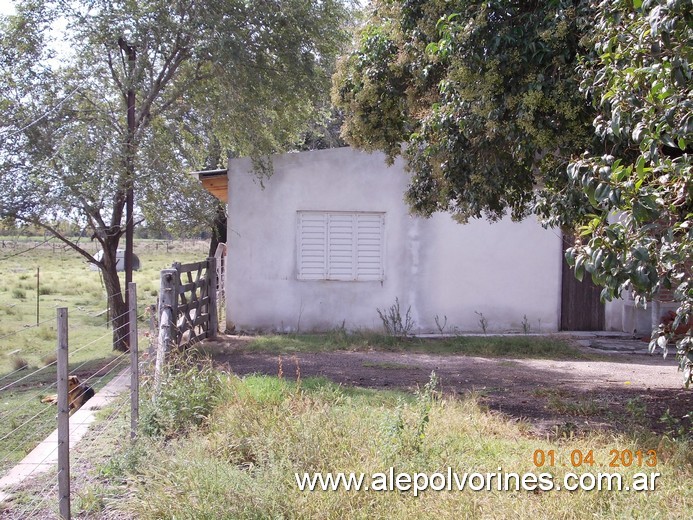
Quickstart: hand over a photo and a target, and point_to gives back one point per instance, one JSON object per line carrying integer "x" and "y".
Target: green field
{"x": 27, "y": 350}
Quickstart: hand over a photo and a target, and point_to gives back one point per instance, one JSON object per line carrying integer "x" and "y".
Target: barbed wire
{"x": 72, "y": 352}
{"x": 6, "y": 257}
{"x": 50, "y": 486}
{"x": 21, "y": 405}
{"x": 42, "y": 411}
{"x": 48, "y": 489}
{"x": 100, "y": 428}
{"x": 117, "y": 359}
{"x": 12, "y": 373}
{"x": 103, "y": 336}
{"x": 45, "y": 494}
{"x": 37, "y": 436}
{"x": 26, "y": 327}
{"x": 28, "y": 375}
{"x": 43, "y": 389}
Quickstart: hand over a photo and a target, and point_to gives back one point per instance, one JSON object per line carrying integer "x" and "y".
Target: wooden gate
{"x": 581, "y": 308}
{"x": 196, "y": 314}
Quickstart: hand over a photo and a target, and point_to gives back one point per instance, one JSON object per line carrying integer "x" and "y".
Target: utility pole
{"x": 130, "y": 167}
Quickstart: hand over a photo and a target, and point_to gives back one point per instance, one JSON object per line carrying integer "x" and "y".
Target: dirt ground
{"x": 629, "y": 389}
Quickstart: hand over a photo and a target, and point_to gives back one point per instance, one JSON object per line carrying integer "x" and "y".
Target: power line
{"x": 28, "y": 249}
{"x": 46, "y": 114}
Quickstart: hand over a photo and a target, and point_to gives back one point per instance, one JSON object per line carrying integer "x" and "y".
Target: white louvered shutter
{"x": 340, "y": 246}
{"x": 312, "y": 245}
{"x": 369, "y": 246}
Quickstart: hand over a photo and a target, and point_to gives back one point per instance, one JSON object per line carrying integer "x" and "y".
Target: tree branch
{"x": 60, "y": 237}
{"x": 114, "y": 75}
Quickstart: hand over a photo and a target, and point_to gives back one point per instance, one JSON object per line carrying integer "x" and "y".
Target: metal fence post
{"x": 153, "y": 330}
{"x": 134, "y": 361}
{"x": 63, "y": 417}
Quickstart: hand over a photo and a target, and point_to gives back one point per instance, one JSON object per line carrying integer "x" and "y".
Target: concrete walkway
{"x": 45, "y": 456}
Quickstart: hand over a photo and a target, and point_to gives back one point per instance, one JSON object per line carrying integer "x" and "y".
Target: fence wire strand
{"x": 28, "y": 376}
{"x": 72, "y": 352}
{"x": 26, "y": 327}
{"x": 95, "y": 379}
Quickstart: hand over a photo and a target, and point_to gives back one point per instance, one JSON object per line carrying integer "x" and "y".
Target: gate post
{"x": 212, "y": 292}
{"x": 168, "y": 298}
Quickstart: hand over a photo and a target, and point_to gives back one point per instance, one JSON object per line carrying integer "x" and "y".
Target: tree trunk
{"x": 218, "y": 229}
{"x": 115, "y": 294}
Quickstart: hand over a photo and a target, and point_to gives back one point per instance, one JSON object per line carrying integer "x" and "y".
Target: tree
{"x": 480, "y": 97}
{"x": 639, "y": 233}
{"x": 250, "y": 74}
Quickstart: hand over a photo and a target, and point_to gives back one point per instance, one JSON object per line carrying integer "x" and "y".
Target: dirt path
{"x": 554, "y": 396}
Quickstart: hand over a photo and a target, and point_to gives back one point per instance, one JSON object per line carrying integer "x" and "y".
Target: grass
{"x": 65, "y": 281}
{"x": 238, "y": 460}
{"x": 487, "y": 346}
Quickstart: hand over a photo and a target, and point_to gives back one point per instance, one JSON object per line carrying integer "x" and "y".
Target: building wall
{"x": 505, "y": 270}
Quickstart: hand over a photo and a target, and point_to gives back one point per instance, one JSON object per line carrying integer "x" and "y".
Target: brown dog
{"x": 78, "y": 394}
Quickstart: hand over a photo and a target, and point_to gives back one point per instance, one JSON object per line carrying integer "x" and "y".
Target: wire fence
{"x": 32, "y": 415}
{"x": 31, "y": 432}
{"x": 25, "y": 429}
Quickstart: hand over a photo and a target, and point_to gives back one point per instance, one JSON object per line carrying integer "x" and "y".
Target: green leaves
{"x": 482, "y": 94}
{"x": 636, "y": 72}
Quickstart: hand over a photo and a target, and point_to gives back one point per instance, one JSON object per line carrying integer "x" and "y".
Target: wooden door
{"x": 581, "y": 308}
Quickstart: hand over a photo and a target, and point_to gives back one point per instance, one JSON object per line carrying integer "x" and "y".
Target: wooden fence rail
{"x": 196, "y": 309}
{"x": 187, "y": 307}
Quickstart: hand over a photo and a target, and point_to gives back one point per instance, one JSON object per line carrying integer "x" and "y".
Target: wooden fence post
{"x": 212, "y": 292}
{"x": 134, "y": 361}
{"x": 168, "y": 296}
{"x": 63, "y": 418}
{"x": 153, "y": 330}
{"x": 38, "y": 294}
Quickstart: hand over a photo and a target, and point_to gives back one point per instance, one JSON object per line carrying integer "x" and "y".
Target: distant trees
{"x": 251, "y": 75}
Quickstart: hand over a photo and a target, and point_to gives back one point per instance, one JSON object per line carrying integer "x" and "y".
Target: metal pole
{"x": 130, "y": 165}
{"x": 134, "y": 362}
{"x": 38, "y": 294}
{"x": 63, "y": 418}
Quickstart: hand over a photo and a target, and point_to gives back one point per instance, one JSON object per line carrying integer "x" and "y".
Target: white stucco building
{"x": 329, "y": 239}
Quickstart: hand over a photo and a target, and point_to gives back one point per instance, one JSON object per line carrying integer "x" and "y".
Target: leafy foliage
{"x": 639, "y": 233}
{"x": 483, "y": 95}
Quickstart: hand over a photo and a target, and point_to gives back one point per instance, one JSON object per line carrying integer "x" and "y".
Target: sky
{"x": 6, "y": 7}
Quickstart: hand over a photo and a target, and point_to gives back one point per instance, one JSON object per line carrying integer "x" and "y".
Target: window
{"x": 340, "y": 246}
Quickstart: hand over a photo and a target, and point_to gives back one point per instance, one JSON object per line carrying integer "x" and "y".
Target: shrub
{"x": 393, "y": 322}
{"x": 19, "y": 363}
{"x": 190, "y": 390}
{"x": 49, "y": 359}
